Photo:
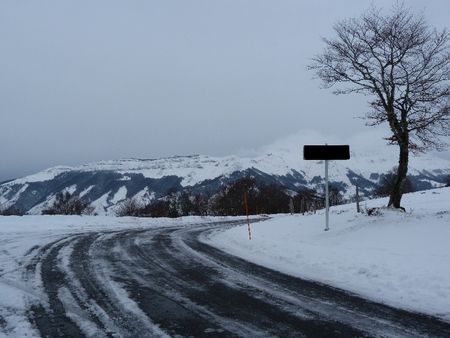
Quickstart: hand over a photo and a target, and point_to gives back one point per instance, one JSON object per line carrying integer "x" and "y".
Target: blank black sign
{"x": 326, "y": 152}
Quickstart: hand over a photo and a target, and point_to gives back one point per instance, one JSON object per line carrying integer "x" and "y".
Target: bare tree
{"x": 404, "y": 65}
{"x": 68, "y": 204}
{"x": 11, "y": 211}
{"x": 130, "y": 207}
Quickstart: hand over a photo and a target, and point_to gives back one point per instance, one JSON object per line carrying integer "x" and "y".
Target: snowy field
{"x": 21, "y": 235}
{"x": 401, "y": 259}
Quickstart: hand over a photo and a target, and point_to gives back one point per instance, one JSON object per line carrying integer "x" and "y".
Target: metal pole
{"x": 248, "y": 220}
{"x": 327, "y": 198}
{"x": 357, "y": 199}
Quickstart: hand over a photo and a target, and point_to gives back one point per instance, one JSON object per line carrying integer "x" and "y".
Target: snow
{"x": 4, "y": 203}
{"x": 101, "y": 203}
{"x": 369, "y": 155}
{"x": 368, "y": 151}
{"x": 70, "y": 189}
{"x": 45, "y": 175}
{"x": 145, "y": 196}
{"x": 75, "y": 313}
{"x": 120, "y": 195}
{"x": 85, "y": 191}
{"x": 21, "y": 235}
{"x": 37, "y": 209}
{"x": 401, "y": 259}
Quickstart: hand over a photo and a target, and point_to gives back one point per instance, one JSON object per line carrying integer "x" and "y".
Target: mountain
{"x": 105, "y": 184}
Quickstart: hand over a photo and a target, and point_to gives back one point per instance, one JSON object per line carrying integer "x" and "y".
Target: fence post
{"x": 248, "y": 220}
{"x": 357, "y": 200}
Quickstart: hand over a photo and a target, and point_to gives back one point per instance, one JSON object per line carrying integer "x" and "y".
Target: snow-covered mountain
{"x": 107, "y": 183}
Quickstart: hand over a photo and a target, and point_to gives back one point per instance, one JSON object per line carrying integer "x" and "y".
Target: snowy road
{"x": 166, "y": 282}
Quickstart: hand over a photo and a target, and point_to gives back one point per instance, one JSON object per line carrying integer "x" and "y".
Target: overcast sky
{"x": 82, "y": 81}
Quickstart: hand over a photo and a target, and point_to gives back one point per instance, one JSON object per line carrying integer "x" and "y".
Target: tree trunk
{"x": 402, "y": 170}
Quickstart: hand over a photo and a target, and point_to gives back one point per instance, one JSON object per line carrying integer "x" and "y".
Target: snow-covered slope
{"x": 107, "y": 183}
{"x": 397, "y": 258}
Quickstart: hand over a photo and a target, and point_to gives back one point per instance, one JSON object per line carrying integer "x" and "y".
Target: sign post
{"x": 326, "y": 153}
{"x": 327, "y": 199}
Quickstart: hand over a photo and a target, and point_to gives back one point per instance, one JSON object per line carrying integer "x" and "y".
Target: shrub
{"x": 11, "y": 211}
{"x": 199, "y": 205}
{"x": 67, "y": 204}
{"x": 335, "y": 195}
{"x": 261, "y": 198}
{"x": 230, "y": 200}
{"x": 272, "y": 199}
{"x": 161, "y": 208}
{"x": 130, "y": 207}
{"x": 308, "y": 200}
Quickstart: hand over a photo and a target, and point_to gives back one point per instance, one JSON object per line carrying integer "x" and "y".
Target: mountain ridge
{"x": 107, "y": 183}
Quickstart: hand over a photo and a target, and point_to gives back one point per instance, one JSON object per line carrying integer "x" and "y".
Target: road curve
{"x": 163, "y": 282}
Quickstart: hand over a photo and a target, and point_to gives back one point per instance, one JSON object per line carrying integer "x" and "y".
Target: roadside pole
{"x": 248, "y": 220}
{"x": 327, "y": 199}
{"x": 357, "y": 200}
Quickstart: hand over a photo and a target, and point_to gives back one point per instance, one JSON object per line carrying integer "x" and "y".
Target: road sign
{"x": 326, "y": 152}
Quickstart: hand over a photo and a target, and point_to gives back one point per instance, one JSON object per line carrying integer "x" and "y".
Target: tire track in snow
{"x": 149, "y": 283}
{"x": 78, "y": 302}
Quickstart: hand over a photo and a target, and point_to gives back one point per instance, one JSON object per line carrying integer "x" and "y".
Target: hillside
{"x": 105, "y": 184}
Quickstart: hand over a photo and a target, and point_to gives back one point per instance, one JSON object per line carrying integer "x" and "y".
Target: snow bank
{"x": 401, "y": 259}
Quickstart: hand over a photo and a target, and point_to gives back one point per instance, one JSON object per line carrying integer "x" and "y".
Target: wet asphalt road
{"x": 166, "y": 282}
